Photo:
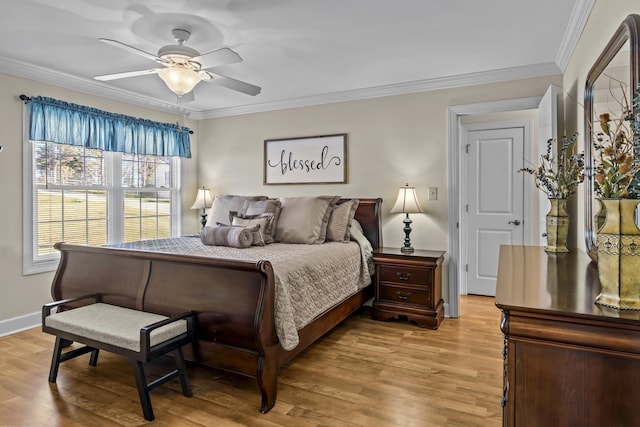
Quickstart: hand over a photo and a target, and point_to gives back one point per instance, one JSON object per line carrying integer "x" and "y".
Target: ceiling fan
{"x": 184, "y": 67}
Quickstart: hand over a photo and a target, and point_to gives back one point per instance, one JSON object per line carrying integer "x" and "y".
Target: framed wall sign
{"x": 306, "y": 160}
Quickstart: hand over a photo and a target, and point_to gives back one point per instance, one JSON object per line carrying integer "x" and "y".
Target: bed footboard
{"x": 233, "y": 300}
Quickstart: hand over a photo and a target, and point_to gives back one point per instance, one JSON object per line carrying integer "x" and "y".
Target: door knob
{"x": 514, "y": 222}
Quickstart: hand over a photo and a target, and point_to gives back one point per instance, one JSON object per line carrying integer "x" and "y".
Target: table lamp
{"x": 407, "y": 203}
{"x": 203, "y": 201}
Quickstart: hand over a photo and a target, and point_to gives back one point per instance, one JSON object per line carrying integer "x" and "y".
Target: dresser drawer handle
{"x": 401, "y": 277}
{"x": 405, "y": 296}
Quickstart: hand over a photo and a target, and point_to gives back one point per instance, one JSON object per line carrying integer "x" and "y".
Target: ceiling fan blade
{"x": 115, "y": 76}
{"x": 134, "y": 50}
{"x": 234, "y": 84}
{"x": 217, "y": 57}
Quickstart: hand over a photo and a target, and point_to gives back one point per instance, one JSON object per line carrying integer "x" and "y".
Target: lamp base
{"x": 407, "y": 248}
{"x": 203, "y": 219}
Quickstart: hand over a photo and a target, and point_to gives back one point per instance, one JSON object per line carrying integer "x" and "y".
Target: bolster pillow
{"x": 227, "y": 235}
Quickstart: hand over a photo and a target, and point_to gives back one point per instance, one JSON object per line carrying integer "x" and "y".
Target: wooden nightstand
{"x": 410, "y": 285}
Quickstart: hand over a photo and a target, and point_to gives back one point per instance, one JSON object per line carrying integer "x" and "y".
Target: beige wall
{"x": 604, "y": 20}
{"x": 392, "y": 141}
{"x": 24, "y": 295}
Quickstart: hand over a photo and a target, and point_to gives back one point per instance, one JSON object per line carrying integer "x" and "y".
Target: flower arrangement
{"x": 614, "y": 160}
{"x": 559, "y": 178}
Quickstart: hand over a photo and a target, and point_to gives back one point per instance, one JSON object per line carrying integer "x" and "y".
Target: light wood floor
{"x": 363, "y": 373}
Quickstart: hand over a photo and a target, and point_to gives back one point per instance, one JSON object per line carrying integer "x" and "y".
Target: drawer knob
{"x": 403, "y": 277}
{"x": 405, "y": 296}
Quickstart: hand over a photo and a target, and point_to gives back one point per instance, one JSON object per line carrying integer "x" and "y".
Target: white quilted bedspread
{"x": 309, "y": 279}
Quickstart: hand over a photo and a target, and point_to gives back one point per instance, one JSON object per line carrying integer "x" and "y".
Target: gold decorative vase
{"x": 618, "y": 246}
{"x": 557, "y": 226}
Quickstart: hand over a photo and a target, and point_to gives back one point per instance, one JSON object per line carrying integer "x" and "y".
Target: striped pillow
{"x": 227, "y": 235}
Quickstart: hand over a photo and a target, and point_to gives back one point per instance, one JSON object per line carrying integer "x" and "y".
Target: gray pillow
{"x": 257, "y": 225}
{"x": 304, "y": 219}
{"x": 227, "y": 235}
{"x": 269, "y": 209}
{"x": 223, "y": 204}
{"x": 339, "y": 227}
{"x": 357, "y": 235}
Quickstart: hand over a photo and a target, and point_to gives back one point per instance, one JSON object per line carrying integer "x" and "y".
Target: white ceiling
{"x": 301, "y": 52}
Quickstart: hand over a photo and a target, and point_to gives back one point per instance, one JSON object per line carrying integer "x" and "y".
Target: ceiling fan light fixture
{"x": 205, "y": 76}
{"x": 180, "y": 80}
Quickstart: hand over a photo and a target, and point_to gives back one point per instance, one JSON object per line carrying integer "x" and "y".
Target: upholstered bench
{"x": 137, "y": 335}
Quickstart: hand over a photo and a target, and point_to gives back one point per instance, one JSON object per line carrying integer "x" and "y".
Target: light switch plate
{"x": 433, "y": 193}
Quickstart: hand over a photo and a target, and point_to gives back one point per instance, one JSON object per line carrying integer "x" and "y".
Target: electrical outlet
{"x": 433, "y": 193}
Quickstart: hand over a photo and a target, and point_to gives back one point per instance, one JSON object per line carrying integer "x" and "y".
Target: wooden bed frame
{"x": 234, "y": 300}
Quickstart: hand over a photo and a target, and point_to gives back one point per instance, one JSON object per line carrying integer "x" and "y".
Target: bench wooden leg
{"x": 55, "y": 359}
{"x": 93, "y": 360}
{"x": 143, "y": 390}
{"x": 182, "y": 369}
{"x": 58, "y": 357}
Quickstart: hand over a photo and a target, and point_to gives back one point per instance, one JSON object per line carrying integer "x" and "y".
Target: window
{"x": 88, "y": 196}
{"x": 95, "y": 177}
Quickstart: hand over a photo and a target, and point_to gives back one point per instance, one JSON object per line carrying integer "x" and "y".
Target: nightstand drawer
{"x": 405, "y": 275}
{"x": 408, "y": 295}
{"x": 409, "y": 285}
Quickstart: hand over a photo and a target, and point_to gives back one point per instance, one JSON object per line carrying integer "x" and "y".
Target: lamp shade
{"x": 203, "y": 199}
{"x": 179, "y": 79}
{"x": 407, "y": 201}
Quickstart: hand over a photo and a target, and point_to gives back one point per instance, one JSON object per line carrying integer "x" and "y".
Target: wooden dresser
{"x": 568, "y": 362}
{"x": 409, "y": 285}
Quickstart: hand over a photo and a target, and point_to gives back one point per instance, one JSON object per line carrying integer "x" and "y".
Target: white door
{"x": 495, "y": 200}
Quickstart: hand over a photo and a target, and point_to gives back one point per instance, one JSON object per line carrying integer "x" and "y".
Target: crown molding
{"x": 92, "y": 87}
{"x": 493, "y": 76}
{"x": 577, "y": 21}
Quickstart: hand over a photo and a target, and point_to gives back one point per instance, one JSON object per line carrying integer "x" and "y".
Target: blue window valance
{"x": 64, "y": 123}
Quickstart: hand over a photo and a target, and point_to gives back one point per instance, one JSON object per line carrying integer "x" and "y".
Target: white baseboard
{"x": 28, "y": 321}
{"x": 20, "y": 323}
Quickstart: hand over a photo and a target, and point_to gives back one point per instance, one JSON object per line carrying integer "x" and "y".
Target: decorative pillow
{"x": 257, "y": 226}
{"x": 339, "y": 227}
{"x": 304, "y": 219}
{"x": 219, "y": 212}
{"x": 269, "y": 209}
{"x": 357, "y": 235}
{"x": 268, "y": 239}
{"x": 227, "y": 235}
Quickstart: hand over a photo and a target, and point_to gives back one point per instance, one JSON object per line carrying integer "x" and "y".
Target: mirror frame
{"x": 627, "y": 31}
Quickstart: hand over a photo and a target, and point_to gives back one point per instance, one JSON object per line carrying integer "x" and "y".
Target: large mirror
{"x": 611, "y": 84}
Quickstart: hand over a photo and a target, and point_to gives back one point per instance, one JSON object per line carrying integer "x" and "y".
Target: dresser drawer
{"x": 405, "y": 295}
{"x": 405, "y": 275}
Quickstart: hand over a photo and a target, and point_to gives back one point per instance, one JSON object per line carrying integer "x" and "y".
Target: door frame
{"x": 526, "y": 126}
{"x": 455, "y": 156}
